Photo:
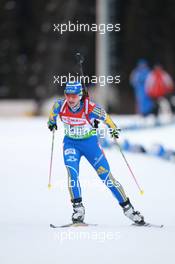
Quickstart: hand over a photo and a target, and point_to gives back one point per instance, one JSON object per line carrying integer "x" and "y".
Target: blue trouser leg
{"x": 71, "y": 160}
{"x": 73, "y": 150}
{"x": 97, "y": 159}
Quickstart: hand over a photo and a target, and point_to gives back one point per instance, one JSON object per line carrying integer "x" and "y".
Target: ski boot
{"x": 79, "y": 212}
{"x": 129, "y": 211}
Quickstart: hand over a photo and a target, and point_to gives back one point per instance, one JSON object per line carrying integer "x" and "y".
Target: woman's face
{"x": 72, "y": 99}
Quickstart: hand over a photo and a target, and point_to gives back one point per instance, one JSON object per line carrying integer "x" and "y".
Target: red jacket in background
{"x": 159, "y": 83}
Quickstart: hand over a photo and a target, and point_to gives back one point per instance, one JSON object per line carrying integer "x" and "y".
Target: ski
{"x": 148, "y": 225}
{"x": 86, "y": 225}
{"x": 81, "y": 224}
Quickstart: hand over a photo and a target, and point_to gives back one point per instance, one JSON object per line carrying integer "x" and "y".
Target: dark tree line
{"x": 31, "y": 52}
{"x": 147, "y": 32}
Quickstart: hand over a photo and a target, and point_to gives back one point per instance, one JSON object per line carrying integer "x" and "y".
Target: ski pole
{"x": 50, "y": 169}
{"x": 141, "y": 191}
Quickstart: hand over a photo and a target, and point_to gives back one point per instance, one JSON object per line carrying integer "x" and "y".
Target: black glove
{"x": 115, "y": 132}
{"x": 52, "y": 126}
{"x": 96, "y": 123}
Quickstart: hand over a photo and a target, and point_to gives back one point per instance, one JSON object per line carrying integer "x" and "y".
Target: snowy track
{"x": 27, "y": 207}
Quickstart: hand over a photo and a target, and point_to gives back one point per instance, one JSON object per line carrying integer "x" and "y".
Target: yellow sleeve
{"x": 109, "y": 122}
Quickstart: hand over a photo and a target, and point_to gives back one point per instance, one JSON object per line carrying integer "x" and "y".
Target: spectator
{"x": 159, "y": 84}
{"x": 145, "y": 105}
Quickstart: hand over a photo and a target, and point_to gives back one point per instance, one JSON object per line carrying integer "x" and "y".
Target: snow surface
{"x": 27, "y": 207}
